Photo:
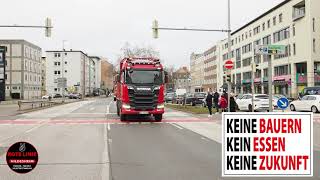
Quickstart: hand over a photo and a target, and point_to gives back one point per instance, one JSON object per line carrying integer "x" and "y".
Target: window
{"x": 294, "y": 48}
{"x": 274, "y": 20}
{"x": 247, "y": 48}
{"x": 314, "y": 25}
{"x": 246, "y": 62}
{"x": 314, "y": 45}
{"x": 65, "y": 62}
{"x": 56, "y": 72}
{"x": 256, "y": 30}
{"x": 265, "y": 73}
{"x": 55, "y": 89}
{"x": 247, "y": 75}
{"x": 293, "y": 30}
{"x": 65, "y": 71}
{"x": 266, "y": 40}
{"x": 281, "y": 35}
{"x": 263, "y": 26}
{"x": 281, "y": 70}
{"x": 57, "y": 54}
{"x": 280, "y": 18}
{"x": 268, "y": 23}
{"x": 250, "y": 33}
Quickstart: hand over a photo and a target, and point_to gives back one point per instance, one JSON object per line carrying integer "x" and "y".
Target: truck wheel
{"x": 118, "y": 109}
{"x": 158, "y": 117}
{"x": 123, "y": 117}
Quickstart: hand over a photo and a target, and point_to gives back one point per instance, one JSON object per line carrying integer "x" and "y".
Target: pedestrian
{"x": 223, "y": 104}
{"x": 233, "y": 104}
{"x": 209, "y": 102}
{"x": 216, "y": 96}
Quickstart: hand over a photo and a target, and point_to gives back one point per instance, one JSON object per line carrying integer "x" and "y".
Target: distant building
{"x": 96, "y": 71}
{"x": 77, "y": 67}
{"x": 197, "y": 72}
{"x": 43, "y": 76}
{"x": 106, "y": 74}
{"x": 211, "y": 65}
{"x": 182, "y": 79}
{"x": 23, "y": 69}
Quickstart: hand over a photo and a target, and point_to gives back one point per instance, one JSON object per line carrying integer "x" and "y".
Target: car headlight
{"x": 160, "y": 106}
{"x": 126, "y": 106}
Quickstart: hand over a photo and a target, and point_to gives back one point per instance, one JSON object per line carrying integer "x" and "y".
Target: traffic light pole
{"x": 252, "y": 85}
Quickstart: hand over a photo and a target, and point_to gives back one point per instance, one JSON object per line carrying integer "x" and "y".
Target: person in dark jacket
{"x": 233, "y": 104}
{"x": 209, "y": 102}
{"x": 216, "y": 97}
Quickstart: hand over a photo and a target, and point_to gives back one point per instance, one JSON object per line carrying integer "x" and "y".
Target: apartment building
{"x": 181, "y": 79}
{"x": 23, "y": 70}
{"x": 77, "y": 67}
{"x": 197, "y": 72}
{"x": 293, "y": 23}
{"x": 211, "y": 64}
{"x": 43, "y": 76}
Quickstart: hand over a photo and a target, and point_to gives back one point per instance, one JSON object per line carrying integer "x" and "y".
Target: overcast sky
{"x": 101, "y": 27}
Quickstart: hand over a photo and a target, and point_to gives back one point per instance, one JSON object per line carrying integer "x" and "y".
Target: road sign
{"x": 270, "y": 49}
{"x": 228, "y": 64}
{"x": 283, "y": 103}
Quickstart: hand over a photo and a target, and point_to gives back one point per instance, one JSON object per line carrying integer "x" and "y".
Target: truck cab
{"x": 140, "y": 88}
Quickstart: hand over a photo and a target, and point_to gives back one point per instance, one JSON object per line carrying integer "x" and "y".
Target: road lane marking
{"x": 36, "y": 127}
{"x": 108, "y": 107}
{"x": 91, "y": 109}
{"x": 177, "y": 126}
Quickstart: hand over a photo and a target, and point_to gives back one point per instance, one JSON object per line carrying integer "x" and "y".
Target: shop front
{"x": 246, "y": 85}
{"x": 301, "y": 76}
{"x": 265, "y": 85}
{"x": 257, "y": 85}
{"x": 282, "y": 85}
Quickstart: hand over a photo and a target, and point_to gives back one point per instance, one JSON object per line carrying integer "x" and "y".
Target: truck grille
{"x": 143, "y": 100}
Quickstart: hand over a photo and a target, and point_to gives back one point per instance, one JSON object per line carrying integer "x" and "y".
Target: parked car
{"x": 57, "y": 96}
{"x": 306, "y": 103}
{"x": 46, "y": 96}
{"x": 261, "y": 102}
{"x": 311, "y": 91}
{"x": 170, "y": 97}
{"x": 75, "y": 96}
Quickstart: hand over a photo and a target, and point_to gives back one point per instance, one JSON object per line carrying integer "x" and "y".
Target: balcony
{"x": 299, "y": 11}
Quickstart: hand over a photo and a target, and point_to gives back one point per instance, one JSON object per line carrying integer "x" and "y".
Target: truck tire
{"x": 158, "y": 117}
{"x": 123, "y": 117}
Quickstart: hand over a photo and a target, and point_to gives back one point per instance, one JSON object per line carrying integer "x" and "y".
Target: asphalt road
{"x": 86, "y": 140}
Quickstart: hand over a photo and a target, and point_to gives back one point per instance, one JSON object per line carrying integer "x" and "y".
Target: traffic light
{"x": 48, "y": 26}
{"x": 155, "y": 29}
{"x": 254, "y": 67}
{"x": 228, "y": 78}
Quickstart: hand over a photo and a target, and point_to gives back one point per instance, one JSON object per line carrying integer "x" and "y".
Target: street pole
{"x": 62, "y": 73}
{"x": 270, "y": 83}
{"x": 229, "y": 53}
{"x": 252, "y": 84}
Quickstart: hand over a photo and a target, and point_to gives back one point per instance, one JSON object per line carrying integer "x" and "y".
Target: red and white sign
{"x": 267, "y": 144}
{"x": 228, "y": 64}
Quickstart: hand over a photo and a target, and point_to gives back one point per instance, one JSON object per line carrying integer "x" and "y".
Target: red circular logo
{"x": 22, "y": 157}
{"x": 228, "y": 64}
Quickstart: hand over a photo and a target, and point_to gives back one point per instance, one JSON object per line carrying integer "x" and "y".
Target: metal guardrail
{"x": 26, "y": 105}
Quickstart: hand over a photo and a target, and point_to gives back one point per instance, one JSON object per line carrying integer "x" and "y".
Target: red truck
{"x": 139, "y": 88}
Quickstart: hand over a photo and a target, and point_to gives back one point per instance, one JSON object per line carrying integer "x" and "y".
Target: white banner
{"x": 267, "y": 144}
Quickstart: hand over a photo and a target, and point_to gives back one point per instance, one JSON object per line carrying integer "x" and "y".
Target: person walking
{"x": 209, "y": 102}
{"x": 216, "y": 96}
{"x": 223, "y": 104}
{"x": 233, "y": 104}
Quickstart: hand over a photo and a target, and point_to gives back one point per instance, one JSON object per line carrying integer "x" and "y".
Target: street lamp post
{"x": 229, "y": 52}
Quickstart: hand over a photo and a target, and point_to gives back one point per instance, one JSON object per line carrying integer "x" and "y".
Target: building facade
{"x": 197, "y": 72}
{"x": 106, "y": 74}
{"x": 23, "y": 70}
{"x": 77, "y": 67}
{"x": 294, "y": 24}
{"x": 43, "y": 76}
{"x": 182, "y": 79}
{"x": 211, "y": 64}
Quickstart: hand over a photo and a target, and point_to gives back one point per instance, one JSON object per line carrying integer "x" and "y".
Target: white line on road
{"x": 91, "y": 109}
{"x": 108, "y": 107}
{"x": 177, "y": 126}
{"x": 35, "y": 127}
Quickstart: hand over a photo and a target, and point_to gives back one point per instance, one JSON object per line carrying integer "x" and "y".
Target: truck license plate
{"x": 144, "y": 112}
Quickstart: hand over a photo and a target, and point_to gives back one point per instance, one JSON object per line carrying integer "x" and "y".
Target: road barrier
{"x": 26, "y": 105}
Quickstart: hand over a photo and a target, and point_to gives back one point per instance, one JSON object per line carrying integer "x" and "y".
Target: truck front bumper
{"x": 135, "y": 112}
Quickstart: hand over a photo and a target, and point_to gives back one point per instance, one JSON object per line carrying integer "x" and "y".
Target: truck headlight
{"x": 160, "y": 106}
{"x": 126, "y": 106}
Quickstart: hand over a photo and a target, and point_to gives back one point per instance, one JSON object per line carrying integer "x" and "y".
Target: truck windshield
{"x": 144, "y": 77}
